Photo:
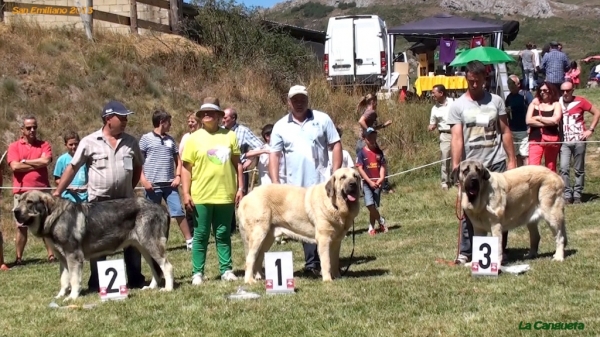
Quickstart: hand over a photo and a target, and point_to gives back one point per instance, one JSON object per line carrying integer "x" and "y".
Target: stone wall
{"x": 119, "y": 7}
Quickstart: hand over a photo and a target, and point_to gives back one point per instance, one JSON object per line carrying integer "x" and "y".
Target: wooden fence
{"x": 174, "y": 7}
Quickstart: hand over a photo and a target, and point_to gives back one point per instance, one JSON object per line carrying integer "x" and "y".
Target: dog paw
{"x": 258, "y": 276}
{"x": 166, "y": 289}
{"x": 70, "y": 298}
{"x": 530, "y": 256}
{"x": 558, "y": 258}
{"x": 148, "y": 287}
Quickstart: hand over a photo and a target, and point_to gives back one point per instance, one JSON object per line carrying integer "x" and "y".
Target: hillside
{"x": 64, "y": 80}
{"x": 570, "y": 22}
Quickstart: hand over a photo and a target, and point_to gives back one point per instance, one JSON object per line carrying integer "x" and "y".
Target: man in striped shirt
{"x": 161, "y": 175}
{"x": 114, "y": 166}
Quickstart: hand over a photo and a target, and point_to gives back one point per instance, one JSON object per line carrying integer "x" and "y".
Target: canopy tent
{"x": 424, "y": 33}
{"x": 444, "y": 25}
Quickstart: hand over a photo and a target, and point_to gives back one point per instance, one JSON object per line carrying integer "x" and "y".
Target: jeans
{"x": 577, "y": 152}
{"x": 217, "y": 217}
{"x": 528, "y": 79}
{"x": 133, "y": 266}
{"x": 466, "y": 240}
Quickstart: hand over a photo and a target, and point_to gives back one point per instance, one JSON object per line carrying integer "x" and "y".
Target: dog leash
{"x": 459, "y": 215}
{"x": 351, "y": 254}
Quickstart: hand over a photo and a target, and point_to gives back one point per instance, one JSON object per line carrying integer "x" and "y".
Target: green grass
{"x": 394, "y": 286}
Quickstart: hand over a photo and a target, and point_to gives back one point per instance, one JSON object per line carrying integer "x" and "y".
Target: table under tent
{"x": 448, "y": 35}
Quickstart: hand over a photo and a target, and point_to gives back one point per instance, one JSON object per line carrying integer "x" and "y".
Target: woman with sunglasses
{"x": 544, "y": 116}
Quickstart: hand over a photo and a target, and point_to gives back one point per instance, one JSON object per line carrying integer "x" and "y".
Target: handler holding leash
{"x": 305, "y": 136}
{"x": 480, "y": 131}
{"x": 114, "y": 168}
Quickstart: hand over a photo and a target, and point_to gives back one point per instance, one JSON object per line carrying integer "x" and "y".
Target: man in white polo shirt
{"x": 304, "y": 135}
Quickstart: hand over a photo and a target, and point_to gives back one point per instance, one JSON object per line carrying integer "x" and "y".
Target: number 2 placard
{"x": 279, "y": 272}
{"x": 485, "y": 256}
{"x": 111, "y": 277}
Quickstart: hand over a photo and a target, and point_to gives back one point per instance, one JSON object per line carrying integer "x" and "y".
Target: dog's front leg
{"x": 75, "y": 265}
{"x": 335, "y": 258}
{"x": 497, "y": 232}
{"x": 324, "y": 247}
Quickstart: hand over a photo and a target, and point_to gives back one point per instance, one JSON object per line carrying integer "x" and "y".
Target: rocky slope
{"x": 527, "y": 8}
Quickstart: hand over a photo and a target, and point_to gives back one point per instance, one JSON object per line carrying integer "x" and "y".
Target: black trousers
{"x": 133, "y": 266}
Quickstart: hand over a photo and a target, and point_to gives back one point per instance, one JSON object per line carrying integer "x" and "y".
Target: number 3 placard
{"x": 279, "y": 272}
{"x": 485, "y": 256}
{"x": 111, "y": 277}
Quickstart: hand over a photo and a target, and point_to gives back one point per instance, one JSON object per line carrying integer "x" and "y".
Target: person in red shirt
{"x": 28, "y": 159}
{"x": 371, "y": 165}
{"x": 574, "y": 134}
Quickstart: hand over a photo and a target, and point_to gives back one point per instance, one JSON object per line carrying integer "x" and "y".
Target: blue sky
{"x": 263, "y": 3}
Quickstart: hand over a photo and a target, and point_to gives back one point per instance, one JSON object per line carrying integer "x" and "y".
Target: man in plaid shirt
{"x": 250, "y": 146}
{"x": 555, "y": 64}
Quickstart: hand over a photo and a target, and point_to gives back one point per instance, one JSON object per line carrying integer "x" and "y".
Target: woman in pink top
{"x": 573, "y": 74}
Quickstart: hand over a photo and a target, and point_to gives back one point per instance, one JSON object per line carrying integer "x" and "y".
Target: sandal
{"x": 51, "y": 258}
{"x": 18, "y": 262}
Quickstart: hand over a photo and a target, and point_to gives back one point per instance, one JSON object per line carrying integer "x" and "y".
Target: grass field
{"x": 394, "y": 286}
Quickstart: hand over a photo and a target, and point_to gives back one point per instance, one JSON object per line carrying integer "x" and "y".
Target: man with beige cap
{"x": 304, "y": 136}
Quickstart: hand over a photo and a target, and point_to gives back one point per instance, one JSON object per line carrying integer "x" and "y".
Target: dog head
{"x": 345, "y": 183}
{"x": 33, "y": 209}
{"x": 470, "y": 176}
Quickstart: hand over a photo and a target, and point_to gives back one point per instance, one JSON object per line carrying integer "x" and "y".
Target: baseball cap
{"x": 297, "y": 90}
{"x": 115, "y": 108}
{"x": 369, "y": 131}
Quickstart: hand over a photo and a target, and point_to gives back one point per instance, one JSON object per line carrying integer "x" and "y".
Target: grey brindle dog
{"x": 78, "y": 232}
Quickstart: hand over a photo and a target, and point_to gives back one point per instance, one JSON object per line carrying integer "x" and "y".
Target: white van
{"x": 356, "y": 50}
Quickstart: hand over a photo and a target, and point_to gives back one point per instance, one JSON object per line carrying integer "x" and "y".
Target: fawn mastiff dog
{"x": 78, "y": 232}
{"x": 320, "y": 214}
{"x": 500, "y": 202}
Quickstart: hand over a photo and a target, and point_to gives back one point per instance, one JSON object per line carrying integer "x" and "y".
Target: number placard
{"x": 279, "y": 272}
{"x": 112, "y": 281}
{"x": 485, "y": 256}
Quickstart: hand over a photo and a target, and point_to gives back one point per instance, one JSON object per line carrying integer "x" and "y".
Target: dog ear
{"x": 486, "y": 174}
{"x": 49, "y": 202}
{"x": 330, "y": 188}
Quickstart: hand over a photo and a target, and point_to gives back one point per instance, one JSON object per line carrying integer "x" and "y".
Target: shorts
{"x": 372, "y": 196}
{"x": 521, "y": 143}
{"x": 170, "y": 195}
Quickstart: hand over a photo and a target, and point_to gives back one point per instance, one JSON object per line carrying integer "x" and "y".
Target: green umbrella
{"x": 487, "y": 55}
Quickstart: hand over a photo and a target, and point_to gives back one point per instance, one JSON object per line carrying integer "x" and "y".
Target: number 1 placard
{"x": 279, "y": 272}
{"x": 111, "y": 277}
{"x": 485, "y": 256}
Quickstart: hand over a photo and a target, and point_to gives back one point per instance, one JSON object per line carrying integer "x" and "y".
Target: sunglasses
{"x": 566, "y": 91}
{"x": 30, "y": 128}
{"x": 545, "y": 91}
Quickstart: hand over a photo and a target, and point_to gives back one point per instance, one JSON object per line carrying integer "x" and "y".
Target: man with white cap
{"x": 114, "y": 168}
{"x": 304, "y": 136}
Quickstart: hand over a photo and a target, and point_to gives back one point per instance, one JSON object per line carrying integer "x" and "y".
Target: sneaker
{"x": 197, "y": 279}
{"x": 372, "y": 232}
{"x": 383, "y": 228}
{"x": 228, "y": 276}
{"x": 462, "y": 259}
{"x": 381, "y": 220}
{"x": 189, "y": 244}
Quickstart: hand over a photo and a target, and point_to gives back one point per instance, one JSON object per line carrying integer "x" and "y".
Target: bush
{"x": 313, "y": 10}
{"x": 239, "y": 39}
{"x": 347, "y": 5}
